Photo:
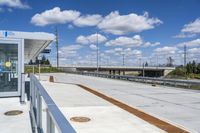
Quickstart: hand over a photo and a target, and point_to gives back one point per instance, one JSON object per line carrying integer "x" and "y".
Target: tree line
{"x": 193, "y": 67}
{"x": 43, "y": 61}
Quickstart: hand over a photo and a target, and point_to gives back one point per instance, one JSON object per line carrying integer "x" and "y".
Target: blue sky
{"x": 141, "y": 30}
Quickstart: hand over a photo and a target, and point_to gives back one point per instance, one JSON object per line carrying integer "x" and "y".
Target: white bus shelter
{"x": 16, "y": 48}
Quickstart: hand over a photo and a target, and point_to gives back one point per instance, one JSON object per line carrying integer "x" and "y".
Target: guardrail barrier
{"x": 151, "y": 80}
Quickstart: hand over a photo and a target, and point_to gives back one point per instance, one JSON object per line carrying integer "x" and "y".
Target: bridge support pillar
{"x": 110, "y": 72}
{"x": 119, "y": 72}
{"x": 123, "y": 72}
{"x": 113, "y": 72}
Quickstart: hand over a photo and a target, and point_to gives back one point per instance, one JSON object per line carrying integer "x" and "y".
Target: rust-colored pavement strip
{"x": 168, "y": 127}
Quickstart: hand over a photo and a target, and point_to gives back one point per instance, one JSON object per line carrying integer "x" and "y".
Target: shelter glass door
{"x": 8, "y": 68}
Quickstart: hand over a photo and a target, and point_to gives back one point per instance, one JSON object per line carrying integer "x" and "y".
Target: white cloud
{"x": 184, "y": 35}
{"x": 70, "y": 26}
{"x": 115, "y": 51}
{"x": 91, "y": 39}
{"x": 54, "y": 16}
{"x": 126, "y": 51}
{"x": 193, "y": 54}
{"x": 14, "y": 4}
{"x": 118, "y": 49}
{"x": 121, "y": 24}
{"x": 125, "y": 41}
{"x": 190, "y": 30}
{"x": 88, "y": 20}
{"x": 69, "y": 51}
{"x": 137, "y": 52}
{"x": 149, "y": 44}
{"x": 193, "y": 27}
{"x": 194, "y": 50}
{"x": 130, "y": 52}
{"x": 166, "y": 50}
{"x": 112, "y": 23}
{"x": 82, "y": 40}
{"x": 109, "y": 51}
{"x": 192, "y": 43}
{"x": 134, "y": 41}
{"x": 93, "y": 47}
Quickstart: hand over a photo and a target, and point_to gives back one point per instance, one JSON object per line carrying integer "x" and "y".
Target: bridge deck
{"x": 105, "y": 117}
{"x": 172, "y": 104}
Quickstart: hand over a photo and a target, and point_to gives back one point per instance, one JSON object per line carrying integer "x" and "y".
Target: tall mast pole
{"x": 185, "y": 54}
{"x": 185, "y": 60}
{"x": 57, "y": 47}
{"x": 123, "y": 54}
{"x": 97, "y": 53}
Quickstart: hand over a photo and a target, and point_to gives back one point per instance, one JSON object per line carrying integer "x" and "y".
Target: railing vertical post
{"x": 34, "y": 95}
{"x": 189, "y": 85}
{"x": 39, "y": 112}
{"x": 22, "y": 99}
{"x": 50, "y": 125}
{"x": 33, "y": 69}
{"x": 31, "y": 90}
{"x": 33, "y": 100}
{"x": 175, "y": 84}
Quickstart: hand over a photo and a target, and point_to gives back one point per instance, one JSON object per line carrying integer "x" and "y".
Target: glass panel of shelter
{"x": 8, "y": 67}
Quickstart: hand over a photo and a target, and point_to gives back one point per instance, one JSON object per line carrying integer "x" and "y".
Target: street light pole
{"x": 156, "y": 60}
{"x": 123, "y": 58}
{"x": 185, "y": 60}
{"x": 57, "y": 47}
{"x": 97, "y": 52}
{"x": 185, "y": 54}
{"x": 143, "y": 72}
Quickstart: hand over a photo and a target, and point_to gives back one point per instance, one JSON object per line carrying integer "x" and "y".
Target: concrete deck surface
{"x": 14, "y": 124}
{"x": 179, "y": 106}
{"x": 105, "y": 117}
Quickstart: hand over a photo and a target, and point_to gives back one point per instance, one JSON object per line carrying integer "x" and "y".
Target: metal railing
{"x": 54, "y": 116}
{"x": 161, "y": 81}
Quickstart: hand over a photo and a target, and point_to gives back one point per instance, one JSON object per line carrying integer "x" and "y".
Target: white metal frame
{"x": 20, "y": 89}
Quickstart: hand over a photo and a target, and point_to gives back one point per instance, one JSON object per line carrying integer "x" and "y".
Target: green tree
{"x": 47, "y": 62}
{"x": 31, "y": 62}
{"x": 37, "y": 61}
{"x": 194, "y": 67}
{"x": 43, "y": 60}
{"x": 189, "y": 68}
{"x": 198, "y": 68}
{"x": 146, "y": 64}
{"x": 170, "y": 62}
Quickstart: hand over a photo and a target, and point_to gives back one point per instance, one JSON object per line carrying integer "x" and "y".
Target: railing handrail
{"x": 56, "y": 115}
{"x": 122, "y": 67}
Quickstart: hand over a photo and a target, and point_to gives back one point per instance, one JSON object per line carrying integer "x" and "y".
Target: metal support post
{"x": 39, "y": 70}
{"x": 33, "y": 70}
{"x": 50, "y": 125}
{"x": 22, "y": 99}
{"x": 39, "y": 112}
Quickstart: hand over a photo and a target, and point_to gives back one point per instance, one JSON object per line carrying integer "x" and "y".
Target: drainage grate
{"x": 13, "y": 112}
{"x": 80, "y": 119}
